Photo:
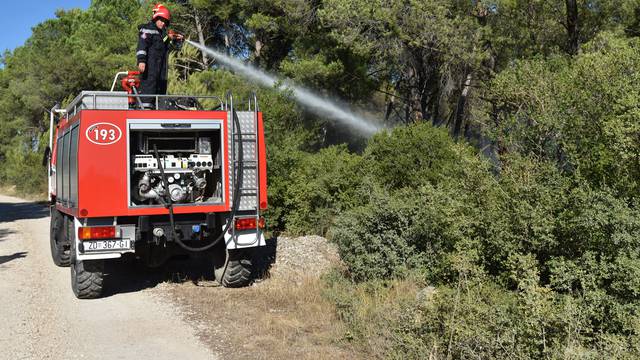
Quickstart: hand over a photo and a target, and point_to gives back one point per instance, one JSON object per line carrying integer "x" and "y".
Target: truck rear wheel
{"x": 86, "y": 275}
{"x": 59, "y": 239}
{"x": 87, "y": 278}
{"x": 237, "y": 269}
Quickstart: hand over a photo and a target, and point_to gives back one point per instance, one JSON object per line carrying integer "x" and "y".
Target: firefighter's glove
{"x": 175, "y": 36}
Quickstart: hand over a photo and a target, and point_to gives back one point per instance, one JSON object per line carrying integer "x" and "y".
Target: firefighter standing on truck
{"x": 154, "y": 44}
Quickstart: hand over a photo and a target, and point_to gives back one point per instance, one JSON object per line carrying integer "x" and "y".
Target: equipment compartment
{"x": 190, "y": 154}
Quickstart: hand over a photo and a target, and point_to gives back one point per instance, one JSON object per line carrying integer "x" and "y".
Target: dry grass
{"x": 373, "y": 313}
{"x": 294, "y": 313}
{"x": 12, "y": 191}
{"x": 278, "y": 318}
{"x": 291, "y": 317}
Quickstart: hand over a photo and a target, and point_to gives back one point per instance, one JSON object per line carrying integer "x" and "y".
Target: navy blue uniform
{"x": 153, "y": 49}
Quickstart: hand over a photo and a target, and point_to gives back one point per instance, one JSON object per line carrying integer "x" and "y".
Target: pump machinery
{"x": 186, "y": 175}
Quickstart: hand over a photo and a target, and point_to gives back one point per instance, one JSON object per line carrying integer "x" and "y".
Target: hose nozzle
{"x": 175, "y": 35}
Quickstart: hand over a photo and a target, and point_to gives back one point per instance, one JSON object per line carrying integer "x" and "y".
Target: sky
{"x": 21, "y": 15}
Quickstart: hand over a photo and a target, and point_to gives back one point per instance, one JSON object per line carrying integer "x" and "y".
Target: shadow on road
{"x": 18, "y": 255}
{"x": 21, "y": 211}
{"x": 130, "y": 275}
{"x": 265, "y": 257}
{"x": 4, "y": 233}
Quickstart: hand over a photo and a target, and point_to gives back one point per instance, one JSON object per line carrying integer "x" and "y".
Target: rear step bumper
{"x": 192, "y": 231}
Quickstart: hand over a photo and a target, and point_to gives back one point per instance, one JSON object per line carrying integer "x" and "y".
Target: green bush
{"x": 23, "y": 168}
{"x": 375, "y": 240}
{"x": 398, "y": 230}
{"x": 396, "y": 235}
{"x": 480, "y": 319}
{"x": 413, "y": 155}
{"x": 323, "y": 185}
{"x": 475, "y": 316}
{"x": 529, "y": 263}
{"x": 581, "y": 114}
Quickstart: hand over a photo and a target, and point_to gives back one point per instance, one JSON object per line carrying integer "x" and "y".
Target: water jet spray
{"x": 314, "y": 102}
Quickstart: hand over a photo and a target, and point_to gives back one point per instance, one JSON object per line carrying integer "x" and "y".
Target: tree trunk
{"x": 423, "y": 74}
{"x": 390, "y": 100}
{"x": 205, "y": 59}
{"x": 227, "y": 39}
{"x": 462, "y": 104}
{"x": 572, "y": 26}
{"x": 258, "y": 52}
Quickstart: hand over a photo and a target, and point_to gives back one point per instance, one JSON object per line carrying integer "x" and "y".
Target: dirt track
{"x": 41, "y": 319}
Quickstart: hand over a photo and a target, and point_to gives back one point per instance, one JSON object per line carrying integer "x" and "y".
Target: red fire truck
{"x": 187, "y": 175}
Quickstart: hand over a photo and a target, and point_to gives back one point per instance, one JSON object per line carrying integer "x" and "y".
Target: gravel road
{"x": 41, "y": 319}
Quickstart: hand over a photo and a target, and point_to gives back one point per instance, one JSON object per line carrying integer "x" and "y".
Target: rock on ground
{"x": 301, "y": 257}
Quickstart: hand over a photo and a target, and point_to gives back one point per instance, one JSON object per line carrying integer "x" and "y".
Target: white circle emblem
{"x": 103, "y": 134}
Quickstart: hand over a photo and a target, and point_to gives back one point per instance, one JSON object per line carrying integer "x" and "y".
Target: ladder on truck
{"x": 247, "y": 168}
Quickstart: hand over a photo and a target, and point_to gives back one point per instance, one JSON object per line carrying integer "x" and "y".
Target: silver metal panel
{"x": 231, "y": 157}
{"x": 103, "y": 100}
{"x": 128, "y": 232}
{"x": 245, "y": 239}
{"x": 248, "y": 199}
{"x": 249, "y": 159}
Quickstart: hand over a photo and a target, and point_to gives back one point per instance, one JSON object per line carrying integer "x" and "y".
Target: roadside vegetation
{"x": 498, "y": 215}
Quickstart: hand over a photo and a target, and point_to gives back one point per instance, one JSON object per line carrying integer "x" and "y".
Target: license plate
{"x": 107, "y": 245}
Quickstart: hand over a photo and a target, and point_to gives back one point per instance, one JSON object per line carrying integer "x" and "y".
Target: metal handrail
{"x": 257, "y": 158}
{"x": 238, "y": 165}
{"x": 233, "y": 165}
{"x": 72, "y": 109}
{"x": 115, "y": 80}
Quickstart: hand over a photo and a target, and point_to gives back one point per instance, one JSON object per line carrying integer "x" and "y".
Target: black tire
{"x": 87, "y": 276}
{"x": 59, "y": 239}
{"x": 237, "y": 269}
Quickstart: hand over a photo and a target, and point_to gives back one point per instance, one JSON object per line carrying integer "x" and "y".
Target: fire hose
{"x": 237, "y": 180}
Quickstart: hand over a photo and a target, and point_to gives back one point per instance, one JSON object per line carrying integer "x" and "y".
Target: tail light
{"x": 96, "y": 232}
{"x": 249, "y": 223}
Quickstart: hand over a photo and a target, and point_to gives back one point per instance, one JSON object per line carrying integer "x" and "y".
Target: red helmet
{"x": 161, "y": 11}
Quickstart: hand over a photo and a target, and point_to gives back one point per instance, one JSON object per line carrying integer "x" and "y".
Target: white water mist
{"x": 314, "y": 102}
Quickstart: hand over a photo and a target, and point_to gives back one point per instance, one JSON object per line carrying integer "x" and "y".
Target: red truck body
{"x": 100, "y": 185}
{"x": 174, "y": 179}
